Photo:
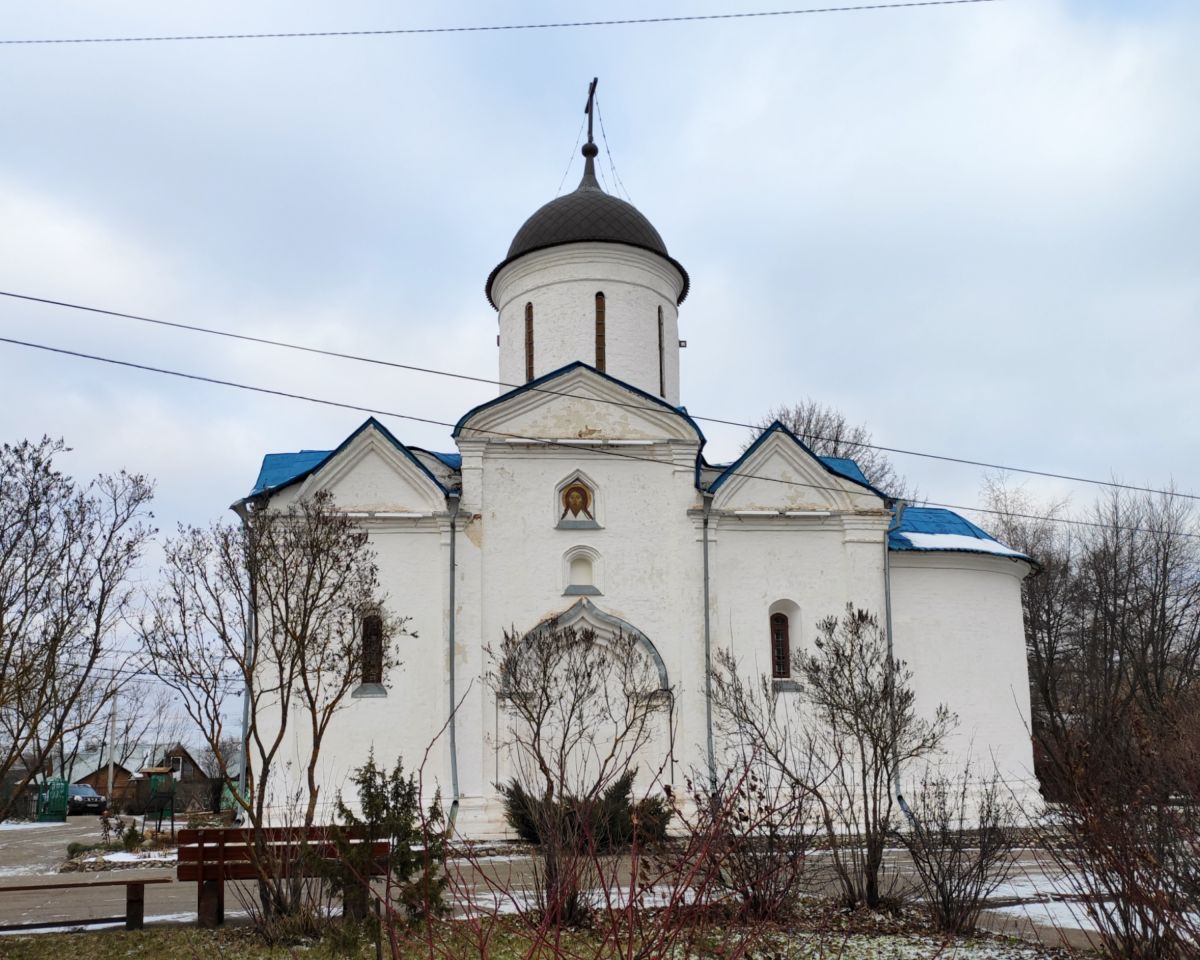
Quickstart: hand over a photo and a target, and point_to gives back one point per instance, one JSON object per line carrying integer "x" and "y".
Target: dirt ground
{"x": 32, "y": 854}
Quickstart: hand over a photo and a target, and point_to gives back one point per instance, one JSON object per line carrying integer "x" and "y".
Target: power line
{"x": 492, "y": 28}
{"x": 358, "y": 358}
{"x": 534, "y": 440}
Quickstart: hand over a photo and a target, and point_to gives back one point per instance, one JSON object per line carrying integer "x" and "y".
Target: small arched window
{"x": 372, "y": 648}
{"x": 528, "y": 342}
{"x": 599, "y": 331}
{"x": 781, "y": 654}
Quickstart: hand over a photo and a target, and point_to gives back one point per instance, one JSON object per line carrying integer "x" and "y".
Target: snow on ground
{"x": 1059, "y": 914}
{"x": 26, "y": 870}
{"x": 150, "y": 856}
{"x": 1033, "y": 886}
{"x": 187, "y": 917}
{"x": 886, "y": 947}
{"x": 26, "y": 825}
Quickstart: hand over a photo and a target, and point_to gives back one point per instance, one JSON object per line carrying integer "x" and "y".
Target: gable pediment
{"x": 578, "y": 403}
{"x": 374, "y": 472}
{"x": 779, "y": 474}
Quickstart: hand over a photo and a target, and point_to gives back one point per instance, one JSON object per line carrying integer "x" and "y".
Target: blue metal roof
{"x": 281, "y": 469}
{"x": 938, "y": 520}
{"x": 942, "y": 522}
{"x": 452, "y": 460}
{"x": 847, "y": 468}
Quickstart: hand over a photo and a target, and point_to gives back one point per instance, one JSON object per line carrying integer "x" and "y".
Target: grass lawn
{"x": 240, "y": 943}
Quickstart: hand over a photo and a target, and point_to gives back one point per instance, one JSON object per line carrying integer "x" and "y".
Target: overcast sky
{"x": 972, "y": 227}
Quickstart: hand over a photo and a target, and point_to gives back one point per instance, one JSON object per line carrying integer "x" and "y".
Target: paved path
{"x": 32, "y": 853}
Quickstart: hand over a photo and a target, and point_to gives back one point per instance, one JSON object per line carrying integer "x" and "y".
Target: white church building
{"x": 583, "y": 493}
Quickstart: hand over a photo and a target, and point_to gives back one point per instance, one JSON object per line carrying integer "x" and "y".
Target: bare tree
{"x": 272, "y": 609}
{"x": 1112, "y": 626}
{"x": 581, "y": 711}
{"x": 1113, "y": 632}
{"x": 67, "y": 553}
{"x": 134, "y": 715}
{"x": 829, "y": 434}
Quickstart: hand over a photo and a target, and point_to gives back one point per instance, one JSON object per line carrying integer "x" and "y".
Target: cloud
{"x": 972, "y": 228}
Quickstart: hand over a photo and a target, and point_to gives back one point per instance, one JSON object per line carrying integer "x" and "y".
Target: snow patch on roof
{"x": 936, "y": 528}
{"x": 958, "y": 541}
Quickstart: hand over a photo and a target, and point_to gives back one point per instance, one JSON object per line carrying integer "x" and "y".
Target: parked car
{"x": 84, "y": 799}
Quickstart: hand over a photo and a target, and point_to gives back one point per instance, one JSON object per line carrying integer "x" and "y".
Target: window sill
{"x": 368, "y": 690}
{"x": 581, "y": 590}
{"x": 578, "y": 525}
{"x": 785, "y": 685}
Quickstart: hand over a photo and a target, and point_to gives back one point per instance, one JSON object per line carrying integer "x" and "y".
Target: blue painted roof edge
{"x": 366, "y": 424}
{"x": 450, "y": 460}
{"x": 777, "y": 426}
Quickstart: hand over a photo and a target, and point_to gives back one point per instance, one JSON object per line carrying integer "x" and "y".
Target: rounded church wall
{"x": 561, "y": 283}
{"x": 957, "y": 624}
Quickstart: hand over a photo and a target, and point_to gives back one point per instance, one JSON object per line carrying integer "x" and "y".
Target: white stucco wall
{"x": 562, "y": 283}
{"x": 958, "y": 624}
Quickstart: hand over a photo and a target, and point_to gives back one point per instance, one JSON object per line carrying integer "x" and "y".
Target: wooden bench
{"x": 135, "y": 903}
{"x": 210, "y": 856}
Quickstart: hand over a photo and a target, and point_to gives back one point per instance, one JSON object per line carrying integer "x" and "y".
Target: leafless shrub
{"x": 644, "y": 905}
{"x": 1129, "y": 846}
{"x": 960, "y": 837}
{"x": 759, "y": 830}
{"x": 582, "y": 710}
{"x": 839, "y": 740}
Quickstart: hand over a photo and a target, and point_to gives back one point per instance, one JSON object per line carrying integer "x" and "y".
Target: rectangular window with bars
{"x": 781, "y": 655}
{"x": 372, "y": 648}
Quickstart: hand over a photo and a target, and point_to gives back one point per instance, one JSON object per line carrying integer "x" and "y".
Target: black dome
{"x": 588, "y": 214}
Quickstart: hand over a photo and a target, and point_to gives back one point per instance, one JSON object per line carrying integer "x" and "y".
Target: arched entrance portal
{"x": 583, "y": 698}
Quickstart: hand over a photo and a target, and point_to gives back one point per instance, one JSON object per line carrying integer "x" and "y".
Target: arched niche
{"x": 577, "y": 503}
{"x": 582, "y": 570}
{"x": 584, "y": 614}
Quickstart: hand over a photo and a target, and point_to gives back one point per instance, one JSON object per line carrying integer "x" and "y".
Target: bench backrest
{"x": 229, "y": 853}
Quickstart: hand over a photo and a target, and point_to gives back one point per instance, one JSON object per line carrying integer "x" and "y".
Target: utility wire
{"x": 493, "y": 28}
{"x": 551, "y": 391}
{"x": 541, "y": 441}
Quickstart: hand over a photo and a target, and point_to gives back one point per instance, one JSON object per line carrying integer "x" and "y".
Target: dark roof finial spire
{"x": 590, "y": 149}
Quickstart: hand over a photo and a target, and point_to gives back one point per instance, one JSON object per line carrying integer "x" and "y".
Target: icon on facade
{"x": 577, "y": 499}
